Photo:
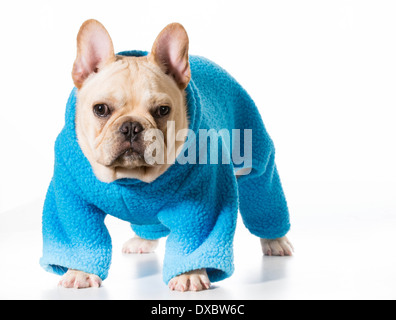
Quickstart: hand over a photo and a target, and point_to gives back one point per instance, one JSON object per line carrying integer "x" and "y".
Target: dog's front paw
{"x": 196, "y": 280}
{"x": 139, "y": 245}
{"x": 277, "y": 247}
{"x": 79, "y": 280}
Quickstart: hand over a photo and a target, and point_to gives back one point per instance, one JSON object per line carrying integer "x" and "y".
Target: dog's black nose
{"x": 131, "y": 129}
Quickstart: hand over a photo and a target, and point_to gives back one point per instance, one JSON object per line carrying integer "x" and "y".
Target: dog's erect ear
{"x": 94, "y": 50}
{"x": 170, "y": 52}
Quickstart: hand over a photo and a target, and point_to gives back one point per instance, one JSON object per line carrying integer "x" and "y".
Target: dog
{"x": 118, "y": 100}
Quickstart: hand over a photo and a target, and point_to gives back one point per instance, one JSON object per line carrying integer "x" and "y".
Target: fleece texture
{"x": 194, "y": 205}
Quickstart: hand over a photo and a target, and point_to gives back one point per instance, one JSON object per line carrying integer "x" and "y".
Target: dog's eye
{"x": 162, "y": 111}
{"x": 101, "y": 110}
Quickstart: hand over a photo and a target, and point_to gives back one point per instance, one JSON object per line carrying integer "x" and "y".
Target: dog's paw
{"x": 277, "y": 247}
{"x": 139, "y": 245}
{"x": 79, "y": 280}
{"x": 196, "y": 280}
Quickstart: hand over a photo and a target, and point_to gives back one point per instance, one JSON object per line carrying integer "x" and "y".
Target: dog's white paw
{"x": 277, "y": 247}
{"x": 196, "y": 280}
{"x": 79, "y": 280}
{"x": 139, "y": 245}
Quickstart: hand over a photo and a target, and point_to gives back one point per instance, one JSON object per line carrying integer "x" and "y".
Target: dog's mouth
{"x": 115, "y": 152}
{"x": 129, "y": 153}
{"x": 128, "y": 157}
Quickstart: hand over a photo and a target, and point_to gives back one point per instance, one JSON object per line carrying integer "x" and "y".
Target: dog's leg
{"x": 79, "y": 280}
{"x": 139, "y": 245}
{"x": 196, "y": 280}
{"x": 277, "y": 247}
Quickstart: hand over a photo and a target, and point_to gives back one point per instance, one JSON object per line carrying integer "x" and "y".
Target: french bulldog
{"x": 119, "y": 99}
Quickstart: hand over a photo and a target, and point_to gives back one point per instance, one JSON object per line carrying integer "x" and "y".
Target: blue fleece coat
{"x": 195, "y": 205}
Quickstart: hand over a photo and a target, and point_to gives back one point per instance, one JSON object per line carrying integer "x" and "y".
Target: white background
{"x": 323, "y": 74}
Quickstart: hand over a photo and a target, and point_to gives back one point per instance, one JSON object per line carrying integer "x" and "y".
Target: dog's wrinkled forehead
{"x": 131, "y": 83}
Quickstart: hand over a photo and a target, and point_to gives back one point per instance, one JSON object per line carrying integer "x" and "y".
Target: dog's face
{"x": 121, "y": 99}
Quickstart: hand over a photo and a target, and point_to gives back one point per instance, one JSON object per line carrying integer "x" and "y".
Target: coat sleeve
{"x": 74, "y": 233}
{"x": 202, "y": 220}
{"x": 150, "y": 232}
{"x": 263, "y": 204}
{"x": 262, "y": 201}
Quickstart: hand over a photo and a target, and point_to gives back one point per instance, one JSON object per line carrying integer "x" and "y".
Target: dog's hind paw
{"x": 139, "y": 245}
{"x": 277, "y": 247}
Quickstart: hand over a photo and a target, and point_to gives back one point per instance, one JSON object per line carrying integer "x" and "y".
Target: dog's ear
{"x": 170, "y": 53}
{"x": 94, "y": 50}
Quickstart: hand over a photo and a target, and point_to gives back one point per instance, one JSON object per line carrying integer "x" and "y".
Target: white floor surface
{"x": 341, "y": 253}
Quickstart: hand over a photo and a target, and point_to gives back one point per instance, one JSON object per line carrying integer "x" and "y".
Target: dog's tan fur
{"x": 133, "y": 87}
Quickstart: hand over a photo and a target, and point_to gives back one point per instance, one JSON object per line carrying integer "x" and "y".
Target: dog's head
{"x": 121, "y": 99}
